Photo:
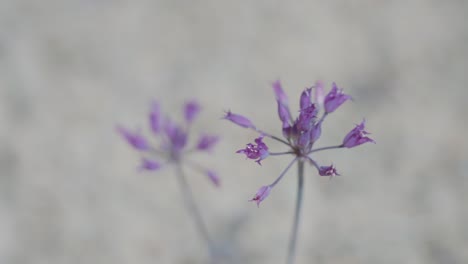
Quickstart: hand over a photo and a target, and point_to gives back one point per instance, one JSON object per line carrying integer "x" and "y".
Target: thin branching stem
{"x": 192, "y": 208}
{"x": 283, "y": 173}
{"x": 325, "y": 148}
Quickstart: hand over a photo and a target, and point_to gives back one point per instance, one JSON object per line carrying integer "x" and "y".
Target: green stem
{"x": 297, "y": 214}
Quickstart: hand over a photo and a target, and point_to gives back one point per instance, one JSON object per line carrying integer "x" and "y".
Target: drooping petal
{"x": 357, "y": 136}
{"x": 149, "y": 165}
{"x": 134, "y": 138}
{"x": 261, "y": 194}
{"x": 214, "y": 178}
{"x": 328, "y": 171}
{"x": 191, "y": 110}
{"x": 284, "y": 114}
{"x": 239, "y": 120}
{"x": 207, "y": 142}
{"x": 258, "y": 151}
{"x": 335, "y": 98}
{"x": 155, "y": 117}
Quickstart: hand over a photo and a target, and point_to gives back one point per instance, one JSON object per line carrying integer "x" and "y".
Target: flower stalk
{"x": 297, "y": 213}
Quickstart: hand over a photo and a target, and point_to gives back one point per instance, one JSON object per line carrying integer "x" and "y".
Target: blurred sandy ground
{"x": 71, "y": 70}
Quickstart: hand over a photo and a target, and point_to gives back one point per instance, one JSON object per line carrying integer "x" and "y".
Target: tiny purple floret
{"x": 239, "y": 120}
{"x": 207, "y": 142}
{"x": 328, "y": 171}
{"x": 259, "y": 151}
{"x": 319, "y": 94}
{"x": 335, "y": 98}
{"x": 191, "y": 110}
{"x": 135, "y": 139}
{"x": 150, "y": 165}
{"x": 261, "y": 194}
{"x": 357, "y": 136}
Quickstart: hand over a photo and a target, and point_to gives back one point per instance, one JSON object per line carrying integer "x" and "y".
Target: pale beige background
{"x": 71, "y": 70}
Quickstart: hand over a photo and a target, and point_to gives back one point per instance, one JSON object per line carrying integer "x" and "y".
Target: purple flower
{"x": 134, "y": 138}
{"x": 302, "y": 133}
{"x": 357, "y": 136}
{"x": 258, "y": 151}
{"x": 239, "y": 120}
{"x": 335, "y": 98}
{"x": 207, "y": 142}
{"x": 261, "y": 194}
{"x": 191, "y": 110}
{"x": 173, "y": 141}
{"x": 328, "y": 171}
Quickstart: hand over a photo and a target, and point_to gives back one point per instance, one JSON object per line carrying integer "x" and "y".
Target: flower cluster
{"x": 172, "y": 147}
{"x": 300, "y": 134}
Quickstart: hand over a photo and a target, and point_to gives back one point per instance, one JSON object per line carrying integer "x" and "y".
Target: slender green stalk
{"x": 297, "y": 213}
{"x": 193, "y": 209}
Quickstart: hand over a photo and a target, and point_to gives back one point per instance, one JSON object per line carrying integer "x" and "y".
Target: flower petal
{"x": 261, "y": 194}
{"x": 134, "y": 138}
{"x": 239, "y": 120}
{"x": 207, "y": 142}
{"x": 191, "y": 110}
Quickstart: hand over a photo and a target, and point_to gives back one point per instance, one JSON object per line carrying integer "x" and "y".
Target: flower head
{"x": 357, "y": 136}
{"x": 261, "y": 194}
{"x": 300, "y": 134}
{"x": 173, "y": 140}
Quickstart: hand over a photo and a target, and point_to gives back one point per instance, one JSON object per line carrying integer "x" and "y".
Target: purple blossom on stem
{"x": 335, "y": 98}
{"x": 300, "y": 136}
{"x": 261, "y": 194}
{"x": 258, "y": 151}
{"x": 328, "y": 171}
{"x": 173, "y": 139}
{"x": 357, "y": 136}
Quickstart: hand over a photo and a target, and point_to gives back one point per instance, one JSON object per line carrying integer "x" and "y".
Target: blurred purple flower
{"x": 173, "y": 139}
